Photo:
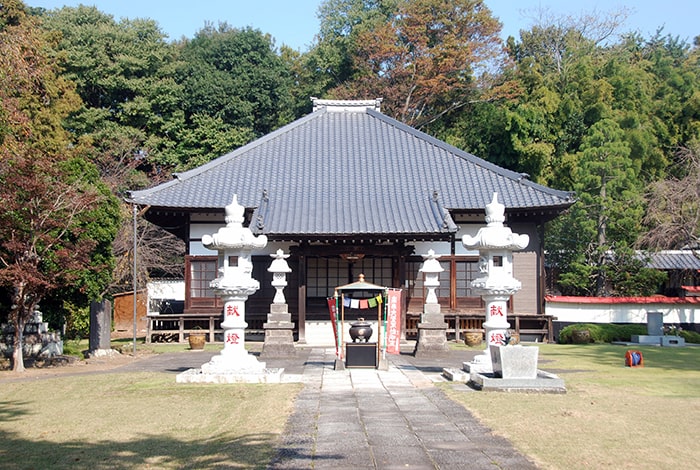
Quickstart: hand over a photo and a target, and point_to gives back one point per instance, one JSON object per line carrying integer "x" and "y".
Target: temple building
{"x": 346, "y": 191}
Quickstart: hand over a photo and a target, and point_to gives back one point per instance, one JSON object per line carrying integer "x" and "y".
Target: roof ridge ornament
{"x": 347, "y": 105}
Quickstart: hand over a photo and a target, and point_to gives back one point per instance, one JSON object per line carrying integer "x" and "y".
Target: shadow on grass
{"x": 151, "y": 451}
{"x": 11, "y": 411}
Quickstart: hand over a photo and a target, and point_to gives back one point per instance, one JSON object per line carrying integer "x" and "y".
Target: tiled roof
{"x": 673, "y": 260}
{"x": 350, "y": 172}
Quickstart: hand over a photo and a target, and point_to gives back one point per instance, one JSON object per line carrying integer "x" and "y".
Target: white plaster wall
{"x": 166, "y": 289}
{"x": 621, "y": 313}
{"x": 440, "y": 248}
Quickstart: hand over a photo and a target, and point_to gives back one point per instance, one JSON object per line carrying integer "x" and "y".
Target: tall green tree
{"x": 331, "y": 62}
{"x": 124, "y": 72}
{"x": 426, "y": 59}
{"x": 234, "y": 77}
{"x": 592, "y": 245}
{"x": 58, "y": 220}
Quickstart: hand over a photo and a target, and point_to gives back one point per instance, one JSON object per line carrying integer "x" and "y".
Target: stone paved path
{"x": 366, "y": 418}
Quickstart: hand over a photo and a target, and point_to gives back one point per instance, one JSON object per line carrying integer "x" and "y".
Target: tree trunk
{"x": 602, "y": 240}
{"x": 19, "y": 314}
{"x": 18, "y": 353}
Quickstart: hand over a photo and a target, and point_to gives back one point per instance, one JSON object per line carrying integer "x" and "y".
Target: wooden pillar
{"x": 302, "y": 299}
{"x": 541, "y": 273}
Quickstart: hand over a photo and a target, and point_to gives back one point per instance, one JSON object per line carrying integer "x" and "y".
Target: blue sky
{"x": 294, "y": 22}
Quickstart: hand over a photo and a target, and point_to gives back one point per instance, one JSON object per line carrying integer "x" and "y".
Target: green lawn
{"x": 612, "y": 416}
{"x": 140, "y": 420}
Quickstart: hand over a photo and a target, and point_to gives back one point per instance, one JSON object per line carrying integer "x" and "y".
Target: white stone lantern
{"x": 432, "y": 329}
{"x": 495, "y": 243}
{"x": 432, "y": 269}
{"x": 234, "y": 285}
{"x": 279, "y": 269}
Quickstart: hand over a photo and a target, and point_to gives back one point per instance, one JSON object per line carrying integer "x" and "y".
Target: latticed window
{"x": 323, "y": 275}
{"x": 460, "y": 270}
{"x": 199, "y": 272}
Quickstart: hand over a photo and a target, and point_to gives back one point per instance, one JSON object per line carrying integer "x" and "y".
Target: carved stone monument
{"x": 234, "y": 285}
{"x": 495, "y": 243}
{"x": 432, "y": 329}
{"x": 101, "y": 329}
{"x": 279, "y": 329}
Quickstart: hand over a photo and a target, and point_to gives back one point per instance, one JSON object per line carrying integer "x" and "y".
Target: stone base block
{"x": 361, "y": 355}
{"x": 431, "y": 309}
{"x": 98, "y": 353}
{"x": 672, "y": 341}
{"x": 265, "y": 376}
{"x": 229, "y": 363}
{"x": 432, "y": 340}
{"x": 279, "y": 308}
{"x": 544, "y": 382}
{"x": 480, "y": 364}
{"x": 455, "y": 375}
{"x": 514, "y": 362}
{"x": 279, "y": 350}
{"x": 654, "y": 340}
{"x": 279, "y": 340}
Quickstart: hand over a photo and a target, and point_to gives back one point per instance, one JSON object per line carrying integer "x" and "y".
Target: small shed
{"x": 124, "y": 314}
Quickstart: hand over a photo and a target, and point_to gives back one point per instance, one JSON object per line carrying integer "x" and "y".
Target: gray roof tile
{"x": 673, "y": 260}
{"x": 350, "y": 173}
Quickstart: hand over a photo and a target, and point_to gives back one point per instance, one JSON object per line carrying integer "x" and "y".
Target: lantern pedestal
{"x": 279, "y": 333}
{"x": 432, "y": 329}
{"x": 432, "y": 332}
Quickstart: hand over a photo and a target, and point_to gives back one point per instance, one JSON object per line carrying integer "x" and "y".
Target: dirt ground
{"x": 66, "y": 365}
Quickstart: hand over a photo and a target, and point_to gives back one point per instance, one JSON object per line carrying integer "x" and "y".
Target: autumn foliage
{"x": 46, "y": 192}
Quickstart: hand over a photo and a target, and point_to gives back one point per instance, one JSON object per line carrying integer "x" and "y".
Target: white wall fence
{"x": 675, "y": 310}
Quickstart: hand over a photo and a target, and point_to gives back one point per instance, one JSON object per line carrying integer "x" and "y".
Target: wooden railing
{"x": 530, "y": 325}
{"x": 176, "y": 327}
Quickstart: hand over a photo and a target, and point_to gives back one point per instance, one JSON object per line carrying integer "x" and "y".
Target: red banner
{"x": 334, "y": 315}
{"x": 393, "y": 328}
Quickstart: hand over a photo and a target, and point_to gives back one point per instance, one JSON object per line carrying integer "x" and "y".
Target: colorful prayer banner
{"x": 393, "y": 329}
{"x": 334, "y": 315}
{"x": 362, "y": 304}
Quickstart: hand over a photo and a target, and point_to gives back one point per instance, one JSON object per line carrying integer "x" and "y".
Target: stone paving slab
{"x": 366, "y": 418}
{"x": 373, "y": 419}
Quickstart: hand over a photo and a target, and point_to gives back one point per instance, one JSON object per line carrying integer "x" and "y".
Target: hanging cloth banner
{"x": 346, "y": 302}
{"x": 364, "y": 305}
{"x": 393, "y": 328}
{"x": 371, "y": 303}
{"x": 354, "y": 303}
{"x": 332, "y": 309}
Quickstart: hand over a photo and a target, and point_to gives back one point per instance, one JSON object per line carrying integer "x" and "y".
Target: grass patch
{"x": 611, "y": 417}
{"x": 126, "y": 346}
{"x": 140, "y": 420}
